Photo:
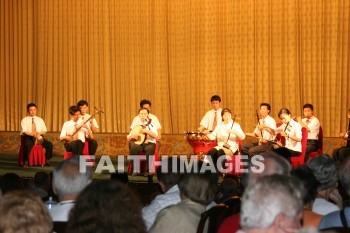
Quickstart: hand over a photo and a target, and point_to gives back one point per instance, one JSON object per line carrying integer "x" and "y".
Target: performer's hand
{"x": 262, "y": 126}
{"x": 263, "y": 141}
{"x": 69, "y": 138}
{"x": 284, "y": 134}
{"x": 206, "y": 131}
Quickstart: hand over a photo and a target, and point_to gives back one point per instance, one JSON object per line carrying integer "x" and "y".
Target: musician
{"x": 73, "y": 136}
{"x": 342, "y": 153}
{"x": 264, "y": 130}
{"x": 149, "y": 145}
{"x": 92, "y": 124}
{"x": 227, "y": 134}
{"x": 213, "y": 117}
{"x": 312, "y": 124}
{"x": 33, "y": 129}
{"x": 291, "y": 130}
{"x": 155, "y": 122}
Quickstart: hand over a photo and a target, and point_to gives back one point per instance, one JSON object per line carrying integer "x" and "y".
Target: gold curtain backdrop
{"x": 177, "y": 54}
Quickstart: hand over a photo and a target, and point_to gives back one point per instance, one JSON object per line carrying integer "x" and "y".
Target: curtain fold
{"x": 176, "y": 54}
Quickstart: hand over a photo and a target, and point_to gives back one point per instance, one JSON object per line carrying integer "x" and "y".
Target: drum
{"x": 200, "y": 143}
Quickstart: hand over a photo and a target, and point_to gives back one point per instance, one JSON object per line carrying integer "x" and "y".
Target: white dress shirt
{"x": 293, "y": 129}
{"x": 208, "y": 119}
{"x": 221, "y": 134}
{"x": 171, "y": 197}
{"x": 26, "y": 124}
{"x": 154, "y": 122}
{"x": 150, "y": 127}
{"x": 271, "y": 123}
{"x": 60, "y": 212}
{"x": 87, "y": 116}
{"x": 314, "y": 127}
{"x": 69, "y": 128}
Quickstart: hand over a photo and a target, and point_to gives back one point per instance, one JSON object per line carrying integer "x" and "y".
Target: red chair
{"x": 36, "y": 156}
{"x": 299, "y": 160}
{"x": 143, "y": 164}
{"x": 69, "y": 154}
{"x": 320, "y": 145}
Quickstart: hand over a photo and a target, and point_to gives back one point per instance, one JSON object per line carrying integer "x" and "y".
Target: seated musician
{"x": 213, "y": 117}
{"x": 33, "y": 129}
{"x": 92, "y": 124}
{"x": 155, "y": 122}
{"x": 264, "y": 130}
{"x": 343, "y": 152}
{"x": 142, "y": 137}
{"x": 227, "y": 134}
{"x": 74, "y": 133}
{"x": 291, "y": 130}
{"x": 312, "y": 124}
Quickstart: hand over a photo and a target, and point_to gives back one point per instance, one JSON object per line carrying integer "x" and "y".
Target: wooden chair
{"x": 300, "y": 160}
{"x": 320, "y": 146}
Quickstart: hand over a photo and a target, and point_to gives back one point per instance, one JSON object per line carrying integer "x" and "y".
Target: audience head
{"x": 166, "y": 175}
{"x": 198, "y": 186}
{"x": 325, "y": 171}
{"x": 10, "y": 182}
{"x": 344, "y": 175}
{"x": 308, "y": 179}
{"x": 68, "y": 181}
{"x": 273, "y": 164}
{"x": 106, "y": 206}
{"x": 230, "y": 186}
{"x": 120, "y": 176}
{"x": 22, "y": 211}
{"x": 272, "y": 202}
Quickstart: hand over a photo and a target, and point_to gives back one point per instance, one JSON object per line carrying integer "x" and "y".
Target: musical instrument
{"x": 258, "y": 118}
{"x": 97, "y": 111}
{"x": 200, "y": 143}
{"x": 137, "y": 131}
{"x": 348, "y": 139}
{"x": 39, "y": 140}
{"x": 268, "y": 140}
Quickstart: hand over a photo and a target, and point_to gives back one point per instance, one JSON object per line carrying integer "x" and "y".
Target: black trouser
{"x": 252, "y": 149}
{"x": 287, "y": 153}
{"x": 341, "y": 153}
{"x": 76, "y": 147}
{"x": 148, "y": 148}
{"x": 312, "y": 145}
{"x": 215, "y": 154}
{"x": 28, "y": 143}
{"x": 92, "y": 146}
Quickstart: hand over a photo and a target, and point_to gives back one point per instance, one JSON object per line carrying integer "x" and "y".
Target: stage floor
{"x": 8, "y": 163}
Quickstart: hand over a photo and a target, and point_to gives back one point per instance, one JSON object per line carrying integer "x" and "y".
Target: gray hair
{"x": 269, "y": 196}
{"x": 344, "y": 174}
{"x": 325, "y": 171}
{"x": 67, "y": 178}
{"x": 273, "y": 164}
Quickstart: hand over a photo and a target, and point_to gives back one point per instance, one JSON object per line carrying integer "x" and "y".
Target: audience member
{"x": 308, "y": 179}
{"x": 168, "y": 180}
{"x": 120, "y": 176}
{"x": 22, "y": 211}
{"x": 272, "y": 204}
{"x": 106, "y": 206}
{"x": 325, "y": 171}
{"x": 340, "y": 218}
{"x": 197, "y": 190}
{"x": 10, "y": 182}
{"x": 68, "y": 182}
